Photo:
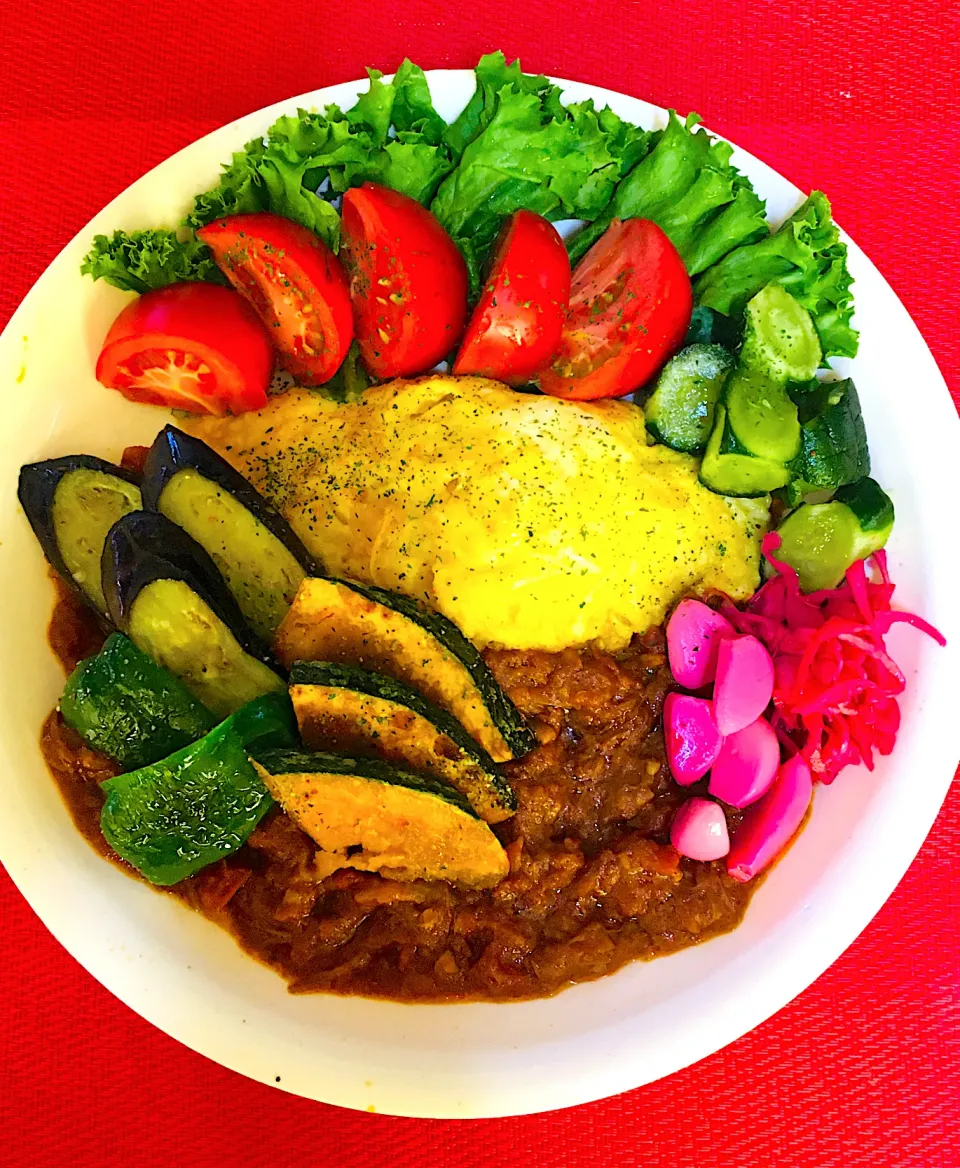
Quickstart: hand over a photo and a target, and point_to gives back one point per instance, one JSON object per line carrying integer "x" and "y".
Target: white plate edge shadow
{"x": 569, "y": 1068}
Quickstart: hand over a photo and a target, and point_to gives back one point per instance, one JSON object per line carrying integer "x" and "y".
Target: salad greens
{"x": 137, "y": 261}
{"x": 687, "y": 186}
{"x": 806, "y": 256}
{"x": 515, "y": 145}
{"x": 392, "y": 135}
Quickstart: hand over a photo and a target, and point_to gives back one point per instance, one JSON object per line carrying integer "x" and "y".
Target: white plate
{"x": 188, "y": 977}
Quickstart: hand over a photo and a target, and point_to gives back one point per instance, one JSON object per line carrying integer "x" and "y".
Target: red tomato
{"x": 630, "y": 305}
{"x": 408, "y": 281}
{"x": 515, "y": 328}
{"x": 295, "y": 283}
{"x": 196, "y": 347}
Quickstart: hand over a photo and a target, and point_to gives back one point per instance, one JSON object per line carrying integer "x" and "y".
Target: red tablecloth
{"x": 857, "y": 96}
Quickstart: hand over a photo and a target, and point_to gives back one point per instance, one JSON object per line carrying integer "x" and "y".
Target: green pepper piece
{"x": 122, "y": 703}
{"x": 175, "y": 817}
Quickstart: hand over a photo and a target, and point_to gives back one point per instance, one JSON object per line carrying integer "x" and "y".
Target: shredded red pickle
{"x": 836, "y": 687}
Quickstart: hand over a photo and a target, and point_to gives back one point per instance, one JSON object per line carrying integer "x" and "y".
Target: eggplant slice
{"x": 71, "y": 504}
{"x": 261, "y": 560}
{"x": 165, "y": 593}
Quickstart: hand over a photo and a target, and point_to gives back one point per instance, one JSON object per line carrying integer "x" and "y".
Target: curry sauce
{"x": 593, "y": 881}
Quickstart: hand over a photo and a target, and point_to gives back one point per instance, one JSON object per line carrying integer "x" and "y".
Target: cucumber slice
{"x": 761, "y": 416}
{"x": 833, "y": 445}
{"x": 822, "y": 540}
{"x": 728, "y": 469}
{"x": 780, "y": 340}
{"x": 873, "y": 509}
{"x": 679, "y": 412}
{"x": 709, "y": 327}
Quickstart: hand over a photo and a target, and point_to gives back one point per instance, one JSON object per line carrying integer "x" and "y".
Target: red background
{"x": 856, "y": 96}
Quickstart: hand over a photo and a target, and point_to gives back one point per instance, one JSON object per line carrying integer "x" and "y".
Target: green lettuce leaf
{"x": 391, "y": 135}
{"x": 807, "y": 257}
{"x": 687, "y": 185}
{"x": 521, "y": 148}
{"x": 137, "y": 261}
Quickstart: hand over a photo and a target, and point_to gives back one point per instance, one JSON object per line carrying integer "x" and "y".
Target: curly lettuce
{"x": 138, "y": 261}
{"x": 523, "y": 149}
{"x": 391, "y": 135}
{"x": 806, "y": 256}
{"x": 687, "y": 185}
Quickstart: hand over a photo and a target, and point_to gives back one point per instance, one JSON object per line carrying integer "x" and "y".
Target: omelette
{"x": 531, "y": 522}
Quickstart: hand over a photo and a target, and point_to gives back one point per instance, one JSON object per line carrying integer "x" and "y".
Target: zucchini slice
{"x": 761, "y": 416}
{"x": 349, "y": 710}
{"x": 261, "y": 560}
{"x": 366, "y": 814}
{"x": 71, "y": 503}
{"x": 165, "y": 593}
{"x": 357, "y": 624}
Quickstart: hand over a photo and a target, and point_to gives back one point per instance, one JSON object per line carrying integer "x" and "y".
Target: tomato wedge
{"x": 196, "y": 347}
{"x": 516, "y": 326}
{"x": 630, "y": 305}
{"x": 408, "y": 281}
{"x": 295, "y": 283}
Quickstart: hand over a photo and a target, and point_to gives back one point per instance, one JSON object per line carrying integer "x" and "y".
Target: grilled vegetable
{"x": 174, "y": 817}
{"x": 357, "y": 624}
{"x": 366, "y": 814}
{"x": 261, "y": 560}
{"x": 352, "y": 711}
{"x": 126, "y": 706}
{"x": 833, "y": 441}
{"x": 728, "y": 468}
{"x": 822, "y": 540}
{"x": 164, "y": 592}
{"x": 780, "y": 340}
{"x": 680, "y": 410}
{"x": 72, "y": 503}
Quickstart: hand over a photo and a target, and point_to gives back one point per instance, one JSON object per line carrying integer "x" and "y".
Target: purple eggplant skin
{"x": 36, "y": 489}
{"x": 173, "y": 451}
{"x": 145, "y": 546}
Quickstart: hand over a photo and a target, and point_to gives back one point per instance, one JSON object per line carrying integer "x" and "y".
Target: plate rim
{"x": 604, "y": 1079}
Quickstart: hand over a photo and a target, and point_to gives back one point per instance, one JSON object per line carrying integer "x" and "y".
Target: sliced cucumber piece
{"x": 71, "y": 503}
{"x": 679, "y": 412}
{"x": 780, "y": 339}
{"x": 833, "y": 445}
{"x": 709, "y": 327}
{"x": 728, "y": 469}
{"x": 761, "y": 416}
{"x": 822, "y": 540}
{"x": 873, "y": 509}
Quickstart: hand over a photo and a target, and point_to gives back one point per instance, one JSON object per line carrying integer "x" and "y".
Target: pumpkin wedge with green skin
{"x": 352, "y": 711}
{"x": 356, "y": 624}
{"x": 366, "y": 814}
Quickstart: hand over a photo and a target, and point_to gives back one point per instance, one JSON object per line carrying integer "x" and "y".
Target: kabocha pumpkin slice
{"x": 349, "y": 710}
{"x": 366, "y": 814}
{"x": 357, "y": 624}
{"x": 261, "y": 560}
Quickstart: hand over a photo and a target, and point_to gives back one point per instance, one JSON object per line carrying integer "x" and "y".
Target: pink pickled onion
{"x": 836, "y": 687}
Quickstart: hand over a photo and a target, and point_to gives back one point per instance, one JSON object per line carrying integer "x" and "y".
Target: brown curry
{"x": 593, "y": 882}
